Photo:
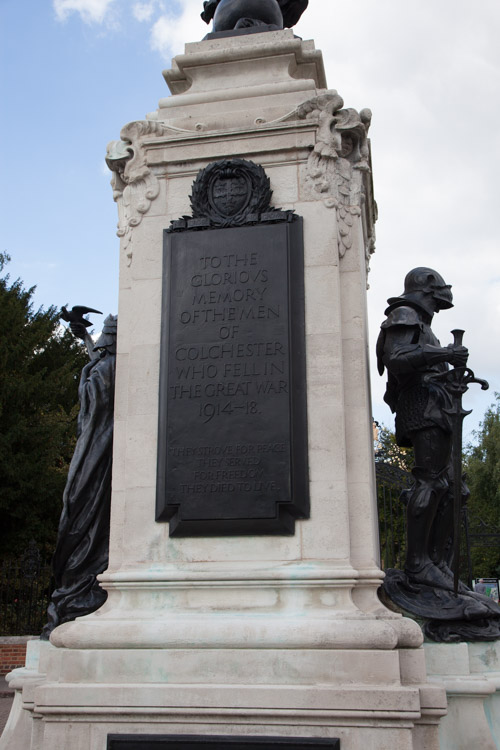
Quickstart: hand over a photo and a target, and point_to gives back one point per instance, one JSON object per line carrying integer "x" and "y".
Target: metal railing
{"x": 392, "y": 485}
{"x": 26, "y": 583}
{"x": 25, "y": 588}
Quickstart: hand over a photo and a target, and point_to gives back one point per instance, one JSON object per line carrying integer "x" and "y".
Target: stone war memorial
{"x": 242, "y": 608}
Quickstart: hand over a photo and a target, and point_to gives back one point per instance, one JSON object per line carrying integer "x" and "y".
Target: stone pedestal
{"x": 484, "y": 659}
{"x": 21, "y": 729}
{"x": 252, "y": 635}
{"x": 469, "y": 672}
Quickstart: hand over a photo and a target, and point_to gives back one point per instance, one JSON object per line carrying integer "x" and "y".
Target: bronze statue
{"x": 425, "y": 395}
{"x": 230, "y": 15}
{"x": 83, "y": 536}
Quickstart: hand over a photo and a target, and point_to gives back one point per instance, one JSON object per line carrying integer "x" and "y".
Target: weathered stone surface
{"x": 469, "y": 673}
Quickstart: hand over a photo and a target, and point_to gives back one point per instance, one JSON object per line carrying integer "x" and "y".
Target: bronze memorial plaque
{"x": 232, "y": 428}
{"x": 217, "y": 742}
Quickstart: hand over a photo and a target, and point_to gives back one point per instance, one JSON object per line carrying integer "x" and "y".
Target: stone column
{"x": 252, "y": 635}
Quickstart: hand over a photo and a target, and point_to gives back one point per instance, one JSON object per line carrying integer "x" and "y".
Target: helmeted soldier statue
{"x": 425, "y": 384}
{"x": 412, "y": 354}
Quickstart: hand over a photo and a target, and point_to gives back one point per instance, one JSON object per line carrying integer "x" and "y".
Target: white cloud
{"x": 91, "y": 11}
{"x": 430, "y": 71}
{"x": 431, "y": 74}
{"x": 143, "y": 11}
{"x": 169, "y": 33}
{"x": 161, "y": 33}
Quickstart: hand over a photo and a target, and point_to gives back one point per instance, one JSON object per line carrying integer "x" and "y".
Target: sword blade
{"x": 457, "y": 488}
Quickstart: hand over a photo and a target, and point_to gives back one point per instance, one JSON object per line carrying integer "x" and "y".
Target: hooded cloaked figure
{"x": 83, "y": 536}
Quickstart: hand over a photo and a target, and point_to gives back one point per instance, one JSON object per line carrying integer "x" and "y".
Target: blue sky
{"x": 75, "y": 71}
{"x": 68, "y": 88}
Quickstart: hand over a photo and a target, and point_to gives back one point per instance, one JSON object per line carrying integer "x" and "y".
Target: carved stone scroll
{"x": 339, "y": 165}
{"x": 134, "y": 184}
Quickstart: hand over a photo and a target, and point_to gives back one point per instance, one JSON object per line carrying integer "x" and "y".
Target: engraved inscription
{"x": 228, "y": 385}
{"x": 229, "y": 468}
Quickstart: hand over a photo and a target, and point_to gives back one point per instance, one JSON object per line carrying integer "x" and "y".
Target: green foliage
{"x": 389, "y": 452}
{"x": 392, "y": 466}
{"x": 39, "y": 374}
{"x": 482, "y": 466}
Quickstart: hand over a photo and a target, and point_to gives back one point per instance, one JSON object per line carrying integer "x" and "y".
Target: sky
{"x": 73, "y": 72}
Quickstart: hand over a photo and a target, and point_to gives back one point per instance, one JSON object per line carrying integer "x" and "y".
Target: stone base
{"x": 322, "y": 693}
{"x": 470, "y": 673}
{"x": 314, "y": 666}
{"x": 273, "y": 692}
{"x": 485, "y": 659}
{"x": 18, "y": 732}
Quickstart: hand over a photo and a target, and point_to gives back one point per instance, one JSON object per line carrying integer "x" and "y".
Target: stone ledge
{"x": 232, "y": 50}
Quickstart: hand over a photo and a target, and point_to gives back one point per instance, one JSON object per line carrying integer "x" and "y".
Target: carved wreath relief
{"x": 230, "y": 193}
{"x": 227, "y": 192}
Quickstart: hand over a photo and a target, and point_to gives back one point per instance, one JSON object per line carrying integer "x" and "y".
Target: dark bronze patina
{"x": 426, "y": 395}
{"x": 75, "y": 315}
{"x": 83, "y": 536}
{"x": 230, "y": 193}
{"x": 246, "y": 16}
{"x": 232, "y": 439}
{"x": 217, "y": 742}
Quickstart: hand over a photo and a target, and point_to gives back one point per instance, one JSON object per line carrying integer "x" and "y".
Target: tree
{"x": 392, "y": 467}
{"x": 482, "y": 466}
{"x": 387, "y": 451}
{"x": 39, "y": 373}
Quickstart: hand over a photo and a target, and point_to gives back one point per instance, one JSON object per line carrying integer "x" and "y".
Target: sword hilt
{"x": 458, "y": 334}
{"x": 456, "y": 380}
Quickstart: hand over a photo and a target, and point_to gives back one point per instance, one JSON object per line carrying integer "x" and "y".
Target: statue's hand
{"x": 458, "y": 355}
{"x": 78, "y": 330}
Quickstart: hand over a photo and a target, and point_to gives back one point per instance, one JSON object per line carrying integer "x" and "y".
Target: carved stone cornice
{"x": 339, "y": 165}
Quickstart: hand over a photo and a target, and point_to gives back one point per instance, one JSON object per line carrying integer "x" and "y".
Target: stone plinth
{"x": 470, "y": 674}
{"x": 484, "y": 659}
{"x": 20, "y": 732}
{"x": 250, "y": 635}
